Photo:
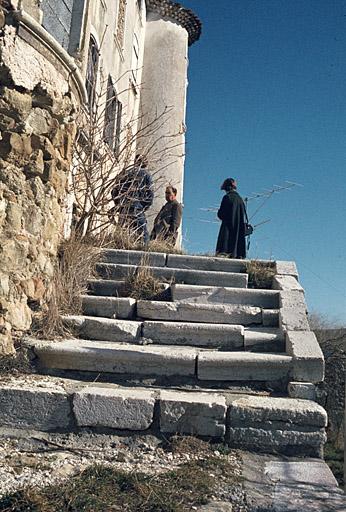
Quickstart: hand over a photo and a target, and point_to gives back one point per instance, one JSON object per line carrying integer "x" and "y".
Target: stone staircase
{"x": 211, "y": 358}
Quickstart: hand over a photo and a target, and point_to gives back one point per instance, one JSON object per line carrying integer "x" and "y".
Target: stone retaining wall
{"x": 37, "y": 129}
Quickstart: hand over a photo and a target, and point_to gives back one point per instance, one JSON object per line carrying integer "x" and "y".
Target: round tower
{"x": 170, "y": 30}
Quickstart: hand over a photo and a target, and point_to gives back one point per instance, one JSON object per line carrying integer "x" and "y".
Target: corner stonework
{"x": 38, "y": 101}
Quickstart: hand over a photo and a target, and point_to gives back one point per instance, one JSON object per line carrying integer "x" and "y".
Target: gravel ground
{"x": 38, "y": 459}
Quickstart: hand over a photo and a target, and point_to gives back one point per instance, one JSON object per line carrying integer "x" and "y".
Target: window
{"x": 139, "y": 4}
{"x": 113, "y": 113}
{"x": 91, "y": 74}
{"x": 135, "y": 58}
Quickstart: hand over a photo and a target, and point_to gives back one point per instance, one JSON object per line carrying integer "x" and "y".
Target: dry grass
{"x": 260, "y": 274}
{"x": 163, "y": 246}
{"x": 75, "y": 266}
{"x": 102, "y": 489}
{"x": 142, "y": 284}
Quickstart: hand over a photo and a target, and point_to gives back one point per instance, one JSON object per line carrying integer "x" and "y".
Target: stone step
{"x": 154, "y": 360}
{"x": 107, "y": 288}
{"x": 104, "y": 329}
{"x": 123, "y": 257}
{"x": 258, "y": 423}
{"x": 264, "y": 339}
{"x": 118, "y": 358}
{"x": 202, "y": 313}
{"x": 269, "y": 299}
{"x": 199, "y": 277}
{"x": 289, "y": 426}
{"x": 109, "y": 307}
{"x": 225, "y": 337}
{"x": 243, "y": 366}
{"x": 209, "y": 263}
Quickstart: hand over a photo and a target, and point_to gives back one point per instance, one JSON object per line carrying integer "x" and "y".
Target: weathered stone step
{"x": 269, "y": 299}
{"x": 209, "y": 263}
{"x": 243, "y": 366}
{"x": 109, "y": 307}
{"x": 119, "y": 358}
{"x": 104, "y": 329}
{"x": 250, "y": 422}
{"x": 225, "y": 337}
{"x": 288, "y": 426}
{"x": 203, "y": 313}
{"x": 123, "y": 257}
{"x": 118, "y": 272}
{"x": 107, "y": 288}
{"x": 264, "y": 339}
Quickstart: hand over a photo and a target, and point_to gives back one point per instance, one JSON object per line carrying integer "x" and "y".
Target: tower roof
{"x": 185, "y": 17}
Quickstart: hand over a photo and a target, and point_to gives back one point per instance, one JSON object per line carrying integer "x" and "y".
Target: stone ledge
{"x": 308, "y": 360}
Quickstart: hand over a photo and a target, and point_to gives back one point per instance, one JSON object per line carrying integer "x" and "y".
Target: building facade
{"x": 57, "y": 56}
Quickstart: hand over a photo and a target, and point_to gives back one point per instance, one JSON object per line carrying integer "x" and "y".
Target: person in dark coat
{"x": 133, "y": 195}
{"x": 232, "y": 213}
{"x": 168, "y": 220}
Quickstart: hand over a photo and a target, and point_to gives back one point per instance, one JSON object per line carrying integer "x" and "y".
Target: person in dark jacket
{"x": 232, "y": 213}
{"x": 133, "y": 195}
{"x": 168, "y": 220}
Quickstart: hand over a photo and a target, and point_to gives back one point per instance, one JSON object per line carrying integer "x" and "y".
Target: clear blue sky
{"x": 267, "y": 103}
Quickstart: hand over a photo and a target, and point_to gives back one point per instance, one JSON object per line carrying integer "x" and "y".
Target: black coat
{"x": 231, "y": 238}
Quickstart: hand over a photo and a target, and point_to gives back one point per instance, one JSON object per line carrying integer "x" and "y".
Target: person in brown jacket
{"x": 168, "y": 220}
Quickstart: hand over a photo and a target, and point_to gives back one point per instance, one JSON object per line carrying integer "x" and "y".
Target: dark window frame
{"x": 113, "y": 116}
{"x": 92, "y": 71}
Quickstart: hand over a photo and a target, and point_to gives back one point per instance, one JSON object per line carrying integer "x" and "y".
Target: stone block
{"x": 16, "y": 102}
{"x": 264, "y": 340}
{"x": 115, "y": 271}
{"x": 293, "y": 299}
{"x": 121, "y": 358}
{"x": 109, "y": 307}
{"x": 129, "y": 409}
{"x": 310, "y": 472}
{"x": 39, "y": 122}
{"x": 35, "y": 166}
{"x": 202, "y": 414}
{"x": 290, "y": 442}
{"x": 212, "y": 313}
{"x": 303, "y": 390}
{"x": 252, "y": 410}
{"x": 308, "y": 360}
{"x": 198, "y": 334}
{"x": 270, "y": 317}
{"x": 242, "y": 366}
{"x": 106, "y": 288}
{"x": 293, "y": 319}
{"x": 287, "y": 268}
{"x": 222, "y": 295}
{"x": 22, "y": 406}
{"x": 15, "y": 145}
{"x": 123, "y": 257}
{"x": 104, "y": 329}
{"x": 286, "y": 283}
{"x": 208, "y": 263}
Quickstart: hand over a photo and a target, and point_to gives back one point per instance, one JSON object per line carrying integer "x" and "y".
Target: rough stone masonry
{"x": 37, "y": 104}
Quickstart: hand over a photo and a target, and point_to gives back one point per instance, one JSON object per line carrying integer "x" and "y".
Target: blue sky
{"x": 266, "y": 104}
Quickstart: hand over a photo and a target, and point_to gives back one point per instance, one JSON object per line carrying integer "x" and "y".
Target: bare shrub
{"x": 76, "y": 265}
{"x": 260, "y": 274}
{"x": 108, "y": 138}
{"x": 142, "y": 284}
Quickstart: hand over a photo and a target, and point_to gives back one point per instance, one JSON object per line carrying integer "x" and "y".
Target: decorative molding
{"x": 185, "y": 17}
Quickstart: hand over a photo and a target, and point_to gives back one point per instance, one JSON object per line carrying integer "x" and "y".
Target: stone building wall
{"x": 38, "y": 99}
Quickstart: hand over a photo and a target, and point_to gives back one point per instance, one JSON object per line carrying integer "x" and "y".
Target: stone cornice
{"x": 185, "y": 17}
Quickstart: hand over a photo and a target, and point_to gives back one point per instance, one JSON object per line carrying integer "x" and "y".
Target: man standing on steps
{"x": 133, "y": 195}
{"x": 232, "y": 213}
{"x": 168, "y": 220}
